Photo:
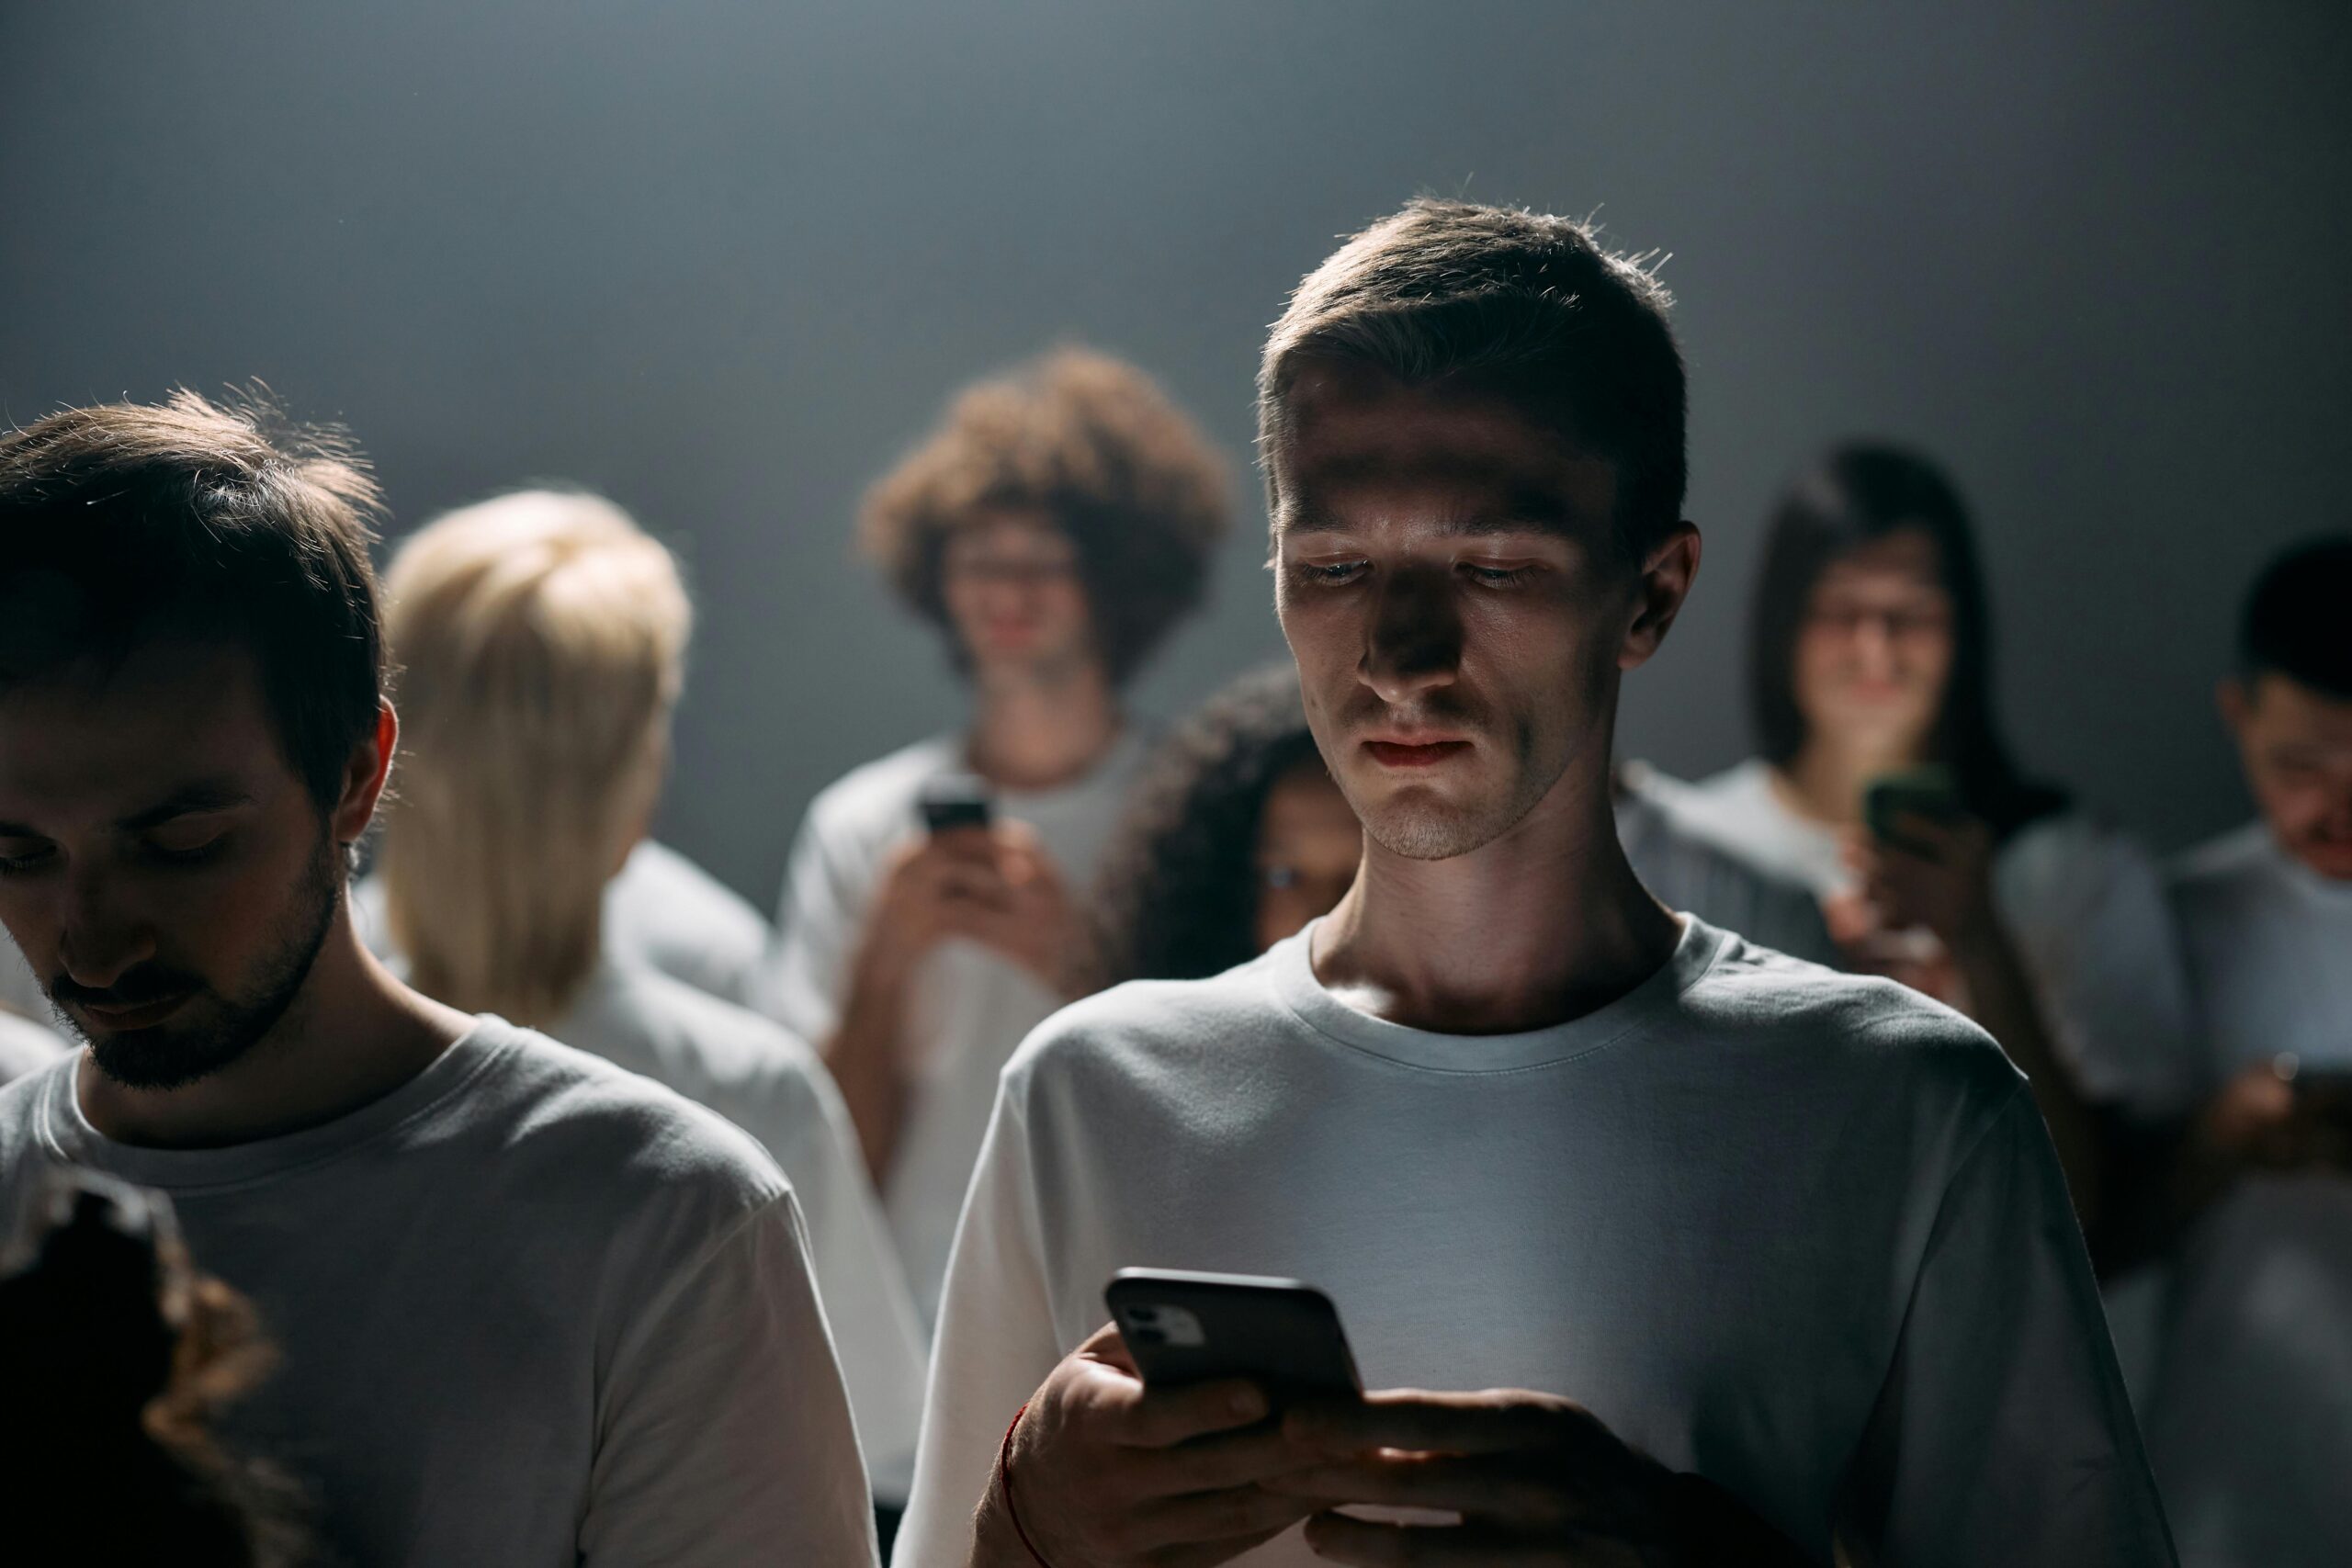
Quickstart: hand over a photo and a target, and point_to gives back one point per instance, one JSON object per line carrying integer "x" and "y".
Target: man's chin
{"x": 157, "y": 1060}
{"x": 1429, "y": 830}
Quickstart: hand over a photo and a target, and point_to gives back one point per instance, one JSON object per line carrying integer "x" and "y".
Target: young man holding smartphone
{"x": 1747, "y": 1258}
{"x": 2248, "y": 1425}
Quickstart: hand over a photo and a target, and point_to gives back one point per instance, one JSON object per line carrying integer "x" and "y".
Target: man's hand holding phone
{"x": 1101, "y": 1472}
{"x": 1532, "y": 1478}
{"x": 1189, "y": 1472}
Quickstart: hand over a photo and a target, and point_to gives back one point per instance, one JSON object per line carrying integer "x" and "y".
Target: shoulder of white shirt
{"x": 577, "y": 1111}
{"x": 684, "y": 890}
{"x": 2245, "y": 850}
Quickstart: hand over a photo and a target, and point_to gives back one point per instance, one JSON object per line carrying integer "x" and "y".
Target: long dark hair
{"x": 1855, "y": 492}
{"x": 1177, "y": 898}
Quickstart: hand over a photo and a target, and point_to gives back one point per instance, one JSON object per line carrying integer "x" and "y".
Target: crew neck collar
{"x": 66, "y": 1134}
{"x": 1654, "y": 999}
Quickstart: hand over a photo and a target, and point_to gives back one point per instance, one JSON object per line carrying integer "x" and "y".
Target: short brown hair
{"x": 1094, "y": 445}
{"x": 125, "y": 523}
{"x": 1446, "y": 288}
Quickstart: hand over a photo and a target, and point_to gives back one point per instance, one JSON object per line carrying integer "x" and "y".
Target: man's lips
{"x": 1414, "y": 753}
{"x": 145, "y": 1015}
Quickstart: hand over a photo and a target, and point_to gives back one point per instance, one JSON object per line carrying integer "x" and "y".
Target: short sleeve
{"x": 723, "y": 1434}
{"x": 995, "y": 1344}
{"x": 866, "y": 1299}
{"x": 2002, "y": 1433}
{"x": 2087, "y": 907}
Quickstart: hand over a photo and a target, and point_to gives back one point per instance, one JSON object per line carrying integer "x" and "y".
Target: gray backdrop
{"x": 723, "y": 260}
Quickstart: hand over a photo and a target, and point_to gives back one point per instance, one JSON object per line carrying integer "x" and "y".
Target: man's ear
{"x": 1667, "y": 577}
{"x": 365, "y": 776}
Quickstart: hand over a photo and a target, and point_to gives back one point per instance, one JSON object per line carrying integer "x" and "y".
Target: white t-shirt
{"x": 1690, "y": 872}
{"x": 661, "y": 911}
{"x": 2268, "y": 943}
{"x": 751, "y": 1071}
{"x": 530, "y": 1310}
{"x": 2083, "y": 902}
{"x": 2251, "y": 1423}
{"x": 1798, "y": 1231}
{"x": 25, "y": 1046}
{"x": 667, "y": 911}
{"x": 968, "y": 1007}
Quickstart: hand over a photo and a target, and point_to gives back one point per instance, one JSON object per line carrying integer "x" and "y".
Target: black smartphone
{"x": 953, "y": 800}
{"x": 1930, "y": 792}
{"x": 1182, "y": 1327}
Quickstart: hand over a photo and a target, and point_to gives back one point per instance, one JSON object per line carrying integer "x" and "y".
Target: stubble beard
{"x": 164, "y": 1059}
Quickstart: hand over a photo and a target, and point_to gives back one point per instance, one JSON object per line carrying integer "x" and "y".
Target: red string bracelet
{"x": 1004, "y": 1470}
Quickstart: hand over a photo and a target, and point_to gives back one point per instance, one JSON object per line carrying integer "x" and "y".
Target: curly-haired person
{"x": 1054, "y": 527}
{"x": 1236, "y": 838}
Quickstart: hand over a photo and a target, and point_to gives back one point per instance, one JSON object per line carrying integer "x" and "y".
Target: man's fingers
{"x": 1421, "y": 1421}
{"x": 1251, "y": 1455}
{"x": 1106, "y": 1344}
{"x": 1161, "y": 1418}
{"x": 1224, "y": 1515}
{"x": 1477, "y": 1486}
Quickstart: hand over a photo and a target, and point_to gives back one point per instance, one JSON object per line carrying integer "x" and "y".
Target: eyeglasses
{"x": 1900, "y": 622}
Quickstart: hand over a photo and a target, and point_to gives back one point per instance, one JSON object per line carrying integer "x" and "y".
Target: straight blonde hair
{"x": 543, "y": 638}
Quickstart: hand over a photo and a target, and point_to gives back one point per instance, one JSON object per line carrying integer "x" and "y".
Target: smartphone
{"x": 1183, "y": 1327}
{"x": 953, "y": 800}
{"x": 1930, "y": 792}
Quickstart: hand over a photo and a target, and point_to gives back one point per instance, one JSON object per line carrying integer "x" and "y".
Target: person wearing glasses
{"x": 1053, "y": 529}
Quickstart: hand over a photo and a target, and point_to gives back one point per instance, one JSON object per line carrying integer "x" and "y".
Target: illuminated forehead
{"x": 1461, "y": 453}
{"x": 93, "y": 744}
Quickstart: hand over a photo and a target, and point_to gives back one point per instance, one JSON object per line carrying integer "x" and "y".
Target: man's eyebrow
{"x": 207, "y": 796}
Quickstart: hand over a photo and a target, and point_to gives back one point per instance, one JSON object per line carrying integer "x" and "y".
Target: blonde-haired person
{"x": 660, "y": 910}
{"x": 543, "y": 635}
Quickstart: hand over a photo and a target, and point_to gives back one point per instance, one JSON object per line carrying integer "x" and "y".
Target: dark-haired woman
{"x": 1235, "y": 839}
{"x": 1870, "y": 656}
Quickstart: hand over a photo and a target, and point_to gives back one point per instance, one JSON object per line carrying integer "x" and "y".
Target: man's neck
{"x": 1037, "y": 730}
{"x": 1544, "y": 925}
{"x": 1823, "y": 782}
{"x": 353, "y": 1034}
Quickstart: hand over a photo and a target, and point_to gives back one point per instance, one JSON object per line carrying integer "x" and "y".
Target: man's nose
{"x": 100, "y": 939}
{"x": 1414, "y": 643}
